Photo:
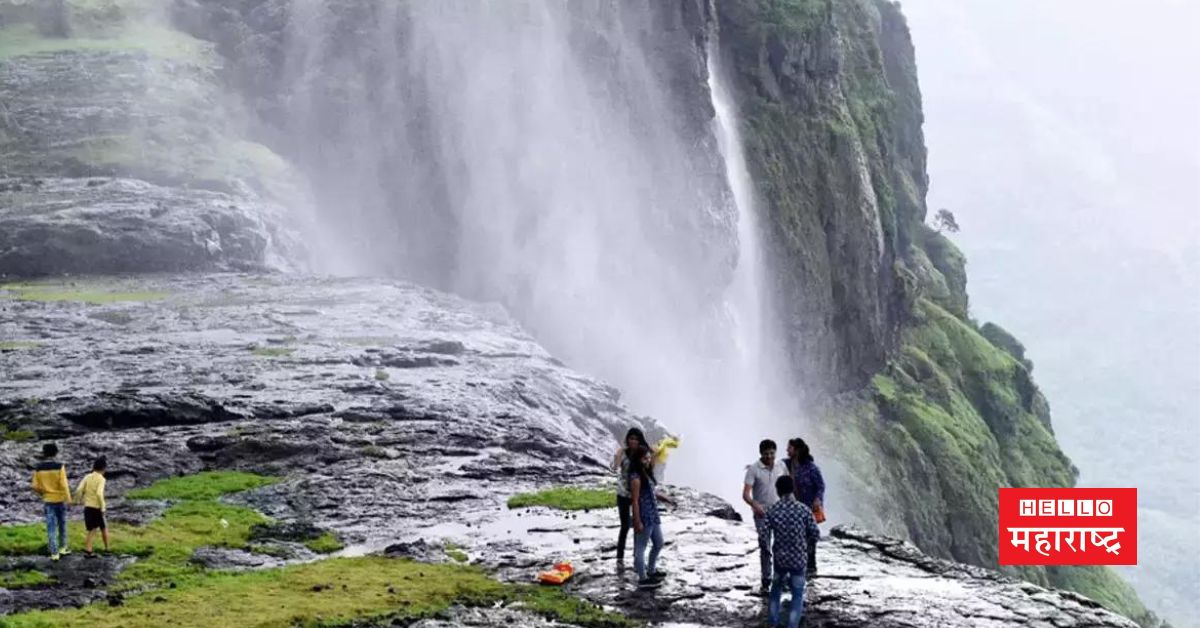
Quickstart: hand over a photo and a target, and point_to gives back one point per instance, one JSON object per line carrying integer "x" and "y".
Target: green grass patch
{"x": 207, "y": 485}
{"x": 20, "y": 40}
{"x": 19, "y": 436}
{"x": 327, "y": 543}
{"x": 273, "y": 352}
{"x": 566, "y": 498}
{"x": 95, "y": 295}
{"x": 18, "y": 345}
{"x": 23, "y": 578}
{"x": 456, "y": 552}
{"x": 325, "y": 593}
{"x": 164, "y": 546}
{"x": 331, "y": 592}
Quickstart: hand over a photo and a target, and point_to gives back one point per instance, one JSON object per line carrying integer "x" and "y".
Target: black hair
{"x": 635, "y": 432}
{"x": 49, "y": 450}
{"x": 765, "y": 445}
{"x": 784, "y": 485}
{"x": 635, "y": 455}
{"x": 100, "y": 464}
{"x": 803, "y": 454}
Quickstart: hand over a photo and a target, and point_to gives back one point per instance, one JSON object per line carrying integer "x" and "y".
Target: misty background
{"x": 1064, "y": 137}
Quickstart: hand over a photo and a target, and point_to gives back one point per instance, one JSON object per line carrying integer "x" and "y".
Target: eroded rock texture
{"x": 403, "y": 418}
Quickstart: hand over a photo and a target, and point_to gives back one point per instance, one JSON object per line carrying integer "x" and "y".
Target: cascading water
{"x": 551, "y": 156}
{"x": 760, "y": 372}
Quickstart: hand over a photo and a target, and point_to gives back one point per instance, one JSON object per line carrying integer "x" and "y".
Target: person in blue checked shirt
{"x": 792, "y": 529}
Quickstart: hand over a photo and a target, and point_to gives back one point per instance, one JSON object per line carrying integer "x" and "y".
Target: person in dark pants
{"x": 758, "y": 491}
{"x": 793, "y": 531}
{"x": 634, "y": 439}
{"x": 90, "y": 493}
{"x": 809, "y": 486}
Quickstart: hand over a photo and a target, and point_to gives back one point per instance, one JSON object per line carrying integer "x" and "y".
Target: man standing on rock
{"x": 759, "y": 492}
{"x": 793, "y": 531}
{"x": 50, "y": 481}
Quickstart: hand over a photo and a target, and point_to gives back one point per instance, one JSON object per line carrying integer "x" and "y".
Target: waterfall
{"x": 551, "y": 156}
{"x": 758, "y": 372}
{"x": 746, "y": 291}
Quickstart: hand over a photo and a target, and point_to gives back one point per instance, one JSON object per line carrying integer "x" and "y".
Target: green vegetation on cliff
{"x": 949, "y": 412}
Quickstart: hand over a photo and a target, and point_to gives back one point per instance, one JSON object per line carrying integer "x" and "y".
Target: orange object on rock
{"x": 560, "y": 574}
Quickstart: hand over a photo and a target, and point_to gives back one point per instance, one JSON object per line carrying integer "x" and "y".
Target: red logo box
{"x": 1068, "y": 526}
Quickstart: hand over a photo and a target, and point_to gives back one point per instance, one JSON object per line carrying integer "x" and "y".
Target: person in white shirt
{"x": 758, "y": 491}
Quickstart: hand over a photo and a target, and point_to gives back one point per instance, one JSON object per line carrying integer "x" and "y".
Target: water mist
{"x": 551, "y": 157}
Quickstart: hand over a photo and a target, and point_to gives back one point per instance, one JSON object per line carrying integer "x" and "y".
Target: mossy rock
{"x": 1000, "y": 337}
{"x": 951, "y": 268}
{"x": 950, "y": 421}
{"x": 566, "y": 498}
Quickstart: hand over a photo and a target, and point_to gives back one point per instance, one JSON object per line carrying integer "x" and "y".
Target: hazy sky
{"x": 1064, "y": 134}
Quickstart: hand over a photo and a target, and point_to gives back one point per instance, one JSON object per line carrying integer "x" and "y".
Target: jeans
{"x": 812, "y": 555}
{"x": 764, "y": 548}
{"x": 796, "y": 580}
{"x": 624, "y": 505}
{"x": 56, "y": 527}
{"x": 649, "y": 534}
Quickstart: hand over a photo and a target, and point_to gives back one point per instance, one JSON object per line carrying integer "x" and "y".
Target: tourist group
{"x": 787, "y": 499}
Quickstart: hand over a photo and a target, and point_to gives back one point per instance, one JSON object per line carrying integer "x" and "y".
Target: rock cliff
{"x": 118, "y": 152}
{"x": 929, "y": 411}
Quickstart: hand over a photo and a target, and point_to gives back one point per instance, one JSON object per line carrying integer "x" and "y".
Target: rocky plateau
{"x": 403, "y": 419}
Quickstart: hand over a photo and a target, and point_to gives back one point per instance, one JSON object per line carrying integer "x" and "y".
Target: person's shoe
{"x": 657, "y": 575}
{"x": 54, "y": 557}
{"x": 64, "y": 551}
{"x": 89, "y": 554}
{"x": 649, "y": 583}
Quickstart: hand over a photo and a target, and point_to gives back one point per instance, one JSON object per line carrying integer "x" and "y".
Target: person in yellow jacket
{"x": 90, "y": 493}
{"x": 50, "y": 481}
{"x": 660, "y": 453}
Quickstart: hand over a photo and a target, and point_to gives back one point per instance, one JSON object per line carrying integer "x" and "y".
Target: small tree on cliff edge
{"x": 944, "y": 220}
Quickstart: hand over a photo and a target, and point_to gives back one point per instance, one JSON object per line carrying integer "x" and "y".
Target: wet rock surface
{"x": 77, "y": 580}
{"x": 56, "y": 225}
{"x": 290, "y": 376}
{"x": 119, "y": 155}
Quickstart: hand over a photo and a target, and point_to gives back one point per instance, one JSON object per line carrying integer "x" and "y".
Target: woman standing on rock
{"x": 634, "y": 439}
{"x": 809, "y": 486}
{"x": 647, "y": 526}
